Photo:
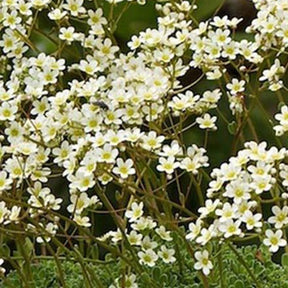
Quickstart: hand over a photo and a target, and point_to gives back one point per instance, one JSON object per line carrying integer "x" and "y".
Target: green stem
{"x": 26, "y": 266}
{"x": 120, "y": 224}
{"x": 61, "y": 258}
{"x": 198, "y": 190}
{"x": 220, "y": 263}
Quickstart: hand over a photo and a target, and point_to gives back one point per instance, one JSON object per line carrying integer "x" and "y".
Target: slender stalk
{"x": 198, "y": 190}
{"x": 220, "y": 266}
{"x": 61, "y": 258}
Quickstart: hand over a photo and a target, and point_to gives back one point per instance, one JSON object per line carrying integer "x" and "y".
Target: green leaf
{"x": 232, "y": 128}
{"x": 182, "y": 198}
{"x": 280, "y": 105}
{"x": 239, "y": 284}
{"x": 163, "y": 278}
{"x": 93, "y": 251}
{"x": 284, "y": 260}
{"x": 145, "y": 277}
{"x": 4, "y": 250}
{"x": 28, "y": 246}
{"x": 156, "y": 273}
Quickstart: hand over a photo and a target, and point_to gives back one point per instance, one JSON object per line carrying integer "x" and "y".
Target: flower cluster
{"x": 271, "y": 31}
{"x": 129, "y": 281}
{"x": 255, "y": 176}
{"x": 270, "y": 25}
{"x": 146, "y": 235}
{"x": 84, "y": 129}
{"x": 283, "y": 121}
{"x": 212, "y": 45}
{"x": 91, "y": 115}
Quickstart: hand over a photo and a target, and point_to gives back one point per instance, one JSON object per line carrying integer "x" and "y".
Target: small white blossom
{"x": 203, "y": 263}
{"x": 167, "y": 254}
{"x": 274, "y": 240}
{"x": 124, "y": 169}
{"x": 207, "y": 122}
{"x": 136, "y": 211}
{"x": 148, "y": 257}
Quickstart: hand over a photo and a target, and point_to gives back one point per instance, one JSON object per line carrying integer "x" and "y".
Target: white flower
{"x": 245, "y": 206}
{"x": 134, "y": 43}
{"x": 14, "y": 132}
{"x": 210, "y": 207}
{"x": 194, "y": 229}
{"x": 8, "y": 111}
{"x": 74, "y": 7}
{"x": 4, "y": 212}
{"x": 171, "y": 151}
{"x": 228, "y": 211}
{"x": 11, "y": 20}
{"x": 50, "y": 230}
{"x": 167, "y": 254}
{"x": 67, "y": 34}
{"x": 39, "y": 4}
{"x": 105, "y": 48}
{"x": 203, "y": 263}
{"x": 14, "y": 214}
{"x": 56, "y": 14}
{"x": 41, "y": 106}
{"x": 238, "y": 190}
{"x": 230, "y": 228}
{"x": 116, "y": 235}
{"x": 148, "y": 257}
{"x": 24, "y": 8}
{"x": 82, "y": 221}
{"x": 230, "y": 50}
{"x": 107, "y": 154}
{"x": 165, "y": 235}
{"x": 26, "y": 148}
{"x": 252, "y": 220}
{"x": 88, "y": 164}
{"x": 63, "y": 152}
{"x": 79, "y": 203}
{"x": 261, "y": 183}
{"x": 15, "y": 167}
{"x": 134, "y": 238}
{"x": 124, "y": 169}
{"x": 2, "y": 270}
{"x": 148, "y": 243}
{"x": 143, "y": 223}
{"x": 129, "y": 282}
{"x": 206, "y": 235}
{"x": 90, "y": 66}
{"x": 82, "y": 181}
{"x": 280, "y": 217}
{"x": 151, "y": 141}
{"x": 236, "y": 86}
{"x": 230, "y": 171}
{"x": 167, "y": 165}
{"x": 190, "y": 165}
{"x": 95, "y": 17}
{"x": 215, "y": 73}
{"x": 274, "y": 240}
{"x": 283, "y": 116}
{"x": 5, "y": 181}
{"x": 136, "y": 211}
{"x": 207, "y": 122}
{"x": 273, "y": 72}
